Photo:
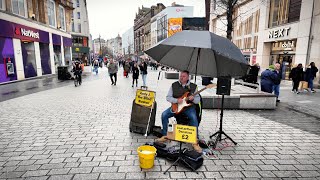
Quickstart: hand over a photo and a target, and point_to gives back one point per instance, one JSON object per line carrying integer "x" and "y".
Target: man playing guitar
{"x": 176, "y": 91}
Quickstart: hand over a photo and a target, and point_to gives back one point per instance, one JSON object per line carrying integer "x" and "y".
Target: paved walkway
{"x": 82, "y": 133}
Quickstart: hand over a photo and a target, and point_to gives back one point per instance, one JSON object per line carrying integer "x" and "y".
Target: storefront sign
{"x": 186, "y": 134}
{"x": 18, "y": 31}
{"x": 145, "y": 98}
{"x": 279, "y": 33}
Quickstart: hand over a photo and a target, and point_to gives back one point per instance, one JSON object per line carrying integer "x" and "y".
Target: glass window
{"x": 62, "y": 18}
{"x": 51, "y": 13}
{"x": 72, "y": 26}
{"x": 78, "y": 3}
{"x": 2, "y": 4}
{"x": 279, "y": 10}
{"x": 79, "y": 27}
{"x": 18, "y": 7}
{"x": 78, "y": 13}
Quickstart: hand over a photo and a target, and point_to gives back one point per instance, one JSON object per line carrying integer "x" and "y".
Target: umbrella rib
{"x": 190, "y": 58}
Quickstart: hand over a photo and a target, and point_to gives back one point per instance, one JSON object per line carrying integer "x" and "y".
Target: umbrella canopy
{"x": 200, "y": 52}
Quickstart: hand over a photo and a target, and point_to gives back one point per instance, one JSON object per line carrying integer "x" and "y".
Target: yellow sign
{"x": 186, "y": 134}
{"x": 144, "y": 98}
{"x": 77, "y": 49}
{"x": 174, "y": 26}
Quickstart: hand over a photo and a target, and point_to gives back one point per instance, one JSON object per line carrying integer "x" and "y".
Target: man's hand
{"x": 191, "y": 98}
{"x": 180, "y": 101}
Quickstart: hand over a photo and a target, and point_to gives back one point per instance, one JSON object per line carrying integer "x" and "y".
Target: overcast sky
{"x": 110, "y": 17}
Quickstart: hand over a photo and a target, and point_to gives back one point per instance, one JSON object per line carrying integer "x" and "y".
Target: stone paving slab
{"x": 82, "y": 133}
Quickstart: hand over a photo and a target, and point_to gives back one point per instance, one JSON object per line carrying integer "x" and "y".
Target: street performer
{"x": 176, "y": 91}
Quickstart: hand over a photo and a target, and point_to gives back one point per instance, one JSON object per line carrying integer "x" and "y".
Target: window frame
{"x": 64, "y": 18}
{"x": 25, "y": 8}
{"x": 78, "y": 3}
{"x": 78, "y": 15}
{"x": 54, "y": 13}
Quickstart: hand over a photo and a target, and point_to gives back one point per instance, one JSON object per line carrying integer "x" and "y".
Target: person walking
{"x": 144, "y": 72}
{"x": 276, "y": 86}
{"x": 126, "y": 69}
{"x": 113, "y": 70}
{"x": 296, "y": 75}
{"x": 311, "y": 73}
{"x": 135, "y": 74}
{"x": 95, "y": 66}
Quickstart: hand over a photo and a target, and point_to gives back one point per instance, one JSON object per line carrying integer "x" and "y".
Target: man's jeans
{"x": 310, "y": 83}
{"x": 190, "y": 113}
{"x": 276, "y": 90}
{"x": 144, "y": 79}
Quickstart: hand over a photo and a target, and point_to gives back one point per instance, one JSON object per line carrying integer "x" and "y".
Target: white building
{"x": 98, "y": 45}
{"x": 270, "y": 31}
{"x": 115, "y": 46}
{"x": 128, "y": 42}
{"x": 80, "y": 31}
{"x": 159, "y": 23}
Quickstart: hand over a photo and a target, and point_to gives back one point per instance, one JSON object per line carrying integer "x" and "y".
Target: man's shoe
{"x": 313, "y": 91}
{"x": 278, "y": 100}
{"x": 132, "y": 85}
{"x": 162, "y": 139}
{"x": 197, "y": 148}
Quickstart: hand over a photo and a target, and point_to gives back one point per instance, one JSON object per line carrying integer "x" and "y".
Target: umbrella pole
{"x": 195, "y": 77}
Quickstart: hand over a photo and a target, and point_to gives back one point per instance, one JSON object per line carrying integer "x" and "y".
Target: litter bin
{"x": 63, "y": 73}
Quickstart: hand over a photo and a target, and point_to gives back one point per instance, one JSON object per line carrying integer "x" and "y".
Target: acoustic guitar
{"x": 178, "y": 108}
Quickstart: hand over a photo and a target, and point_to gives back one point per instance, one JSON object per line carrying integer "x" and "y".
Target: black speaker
{"x": 224, "y": 85}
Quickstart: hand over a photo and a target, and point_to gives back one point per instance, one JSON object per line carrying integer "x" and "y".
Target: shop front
{"x": 283, "y": 52}
{"x": 80, "y": 49}
{"x": 18, "y": 45}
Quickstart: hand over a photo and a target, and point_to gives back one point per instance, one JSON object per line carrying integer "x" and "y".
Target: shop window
{"x": 51, "y": 13}
{"x": 19, "y": 7}
{"x": 45, "y": 58}
{"x": 29, "y": 59}
{"x": 78, "y": 15}
{"x": 3, "y": 4}
{"x": 62, "y": 18}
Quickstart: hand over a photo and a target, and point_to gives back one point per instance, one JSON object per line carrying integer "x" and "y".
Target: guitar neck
{"x": 198, "y": 92}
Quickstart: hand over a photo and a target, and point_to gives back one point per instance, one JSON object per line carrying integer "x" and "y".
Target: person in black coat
{"x": 135, "y": 74}
{"x": 311, "y": 73}
{"x": 296, "y": 75}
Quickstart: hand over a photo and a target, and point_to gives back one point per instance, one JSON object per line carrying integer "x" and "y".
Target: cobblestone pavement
{"x": 82, "y": 133}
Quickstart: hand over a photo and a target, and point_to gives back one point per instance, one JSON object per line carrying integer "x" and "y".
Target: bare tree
{"x": 227, "y": 8}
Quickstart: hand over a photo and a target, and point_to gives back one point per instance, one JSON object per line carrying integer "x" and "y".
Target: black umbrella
{"x": 200, "y": 52}
{"x": 204, "y": 53}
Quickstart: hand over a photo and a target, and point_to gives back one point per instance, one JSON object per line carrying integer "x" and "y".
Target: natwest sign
{"x": 26, "y": 33}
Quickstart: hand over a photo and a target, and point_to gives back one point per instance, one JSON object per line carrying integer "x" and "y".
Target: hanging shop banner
{"x": 144, "y": 97}
{"x": 187, "y": 134}
{"x": 174, "y": 26}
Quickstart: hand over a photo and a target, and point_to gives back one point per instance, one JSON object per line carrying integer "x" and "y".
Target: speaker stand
{"x": 220, "y": 132}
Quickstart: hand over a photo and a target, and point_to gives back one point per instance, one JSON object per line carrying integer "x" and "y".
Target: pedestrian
{"x": 144, "y": 72}
{"x": 276, "y": 86}
{"x": 126, "y": 69}
{"x": 296, "y": 75}
{"x": 95, "y": 66}
{"x": 135, "y": 74}
{"x": 254, "y": 71}
{"x": 268, "y": 79}
{"x": 113, "y": 70}
{"x": 311, "y": 73}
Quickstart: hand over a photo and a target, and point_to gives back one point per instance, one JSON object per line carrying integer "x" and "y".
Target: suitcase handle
{"x": 144, "y": 87}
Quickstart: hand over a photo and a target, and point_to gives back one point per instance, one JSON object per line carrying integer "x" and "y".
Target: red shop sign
{"x": 26, "y": 33}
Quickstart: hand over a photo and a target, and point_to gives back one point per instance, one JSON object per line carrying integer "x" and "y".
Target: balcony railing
{"x": 66, "y": 3}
